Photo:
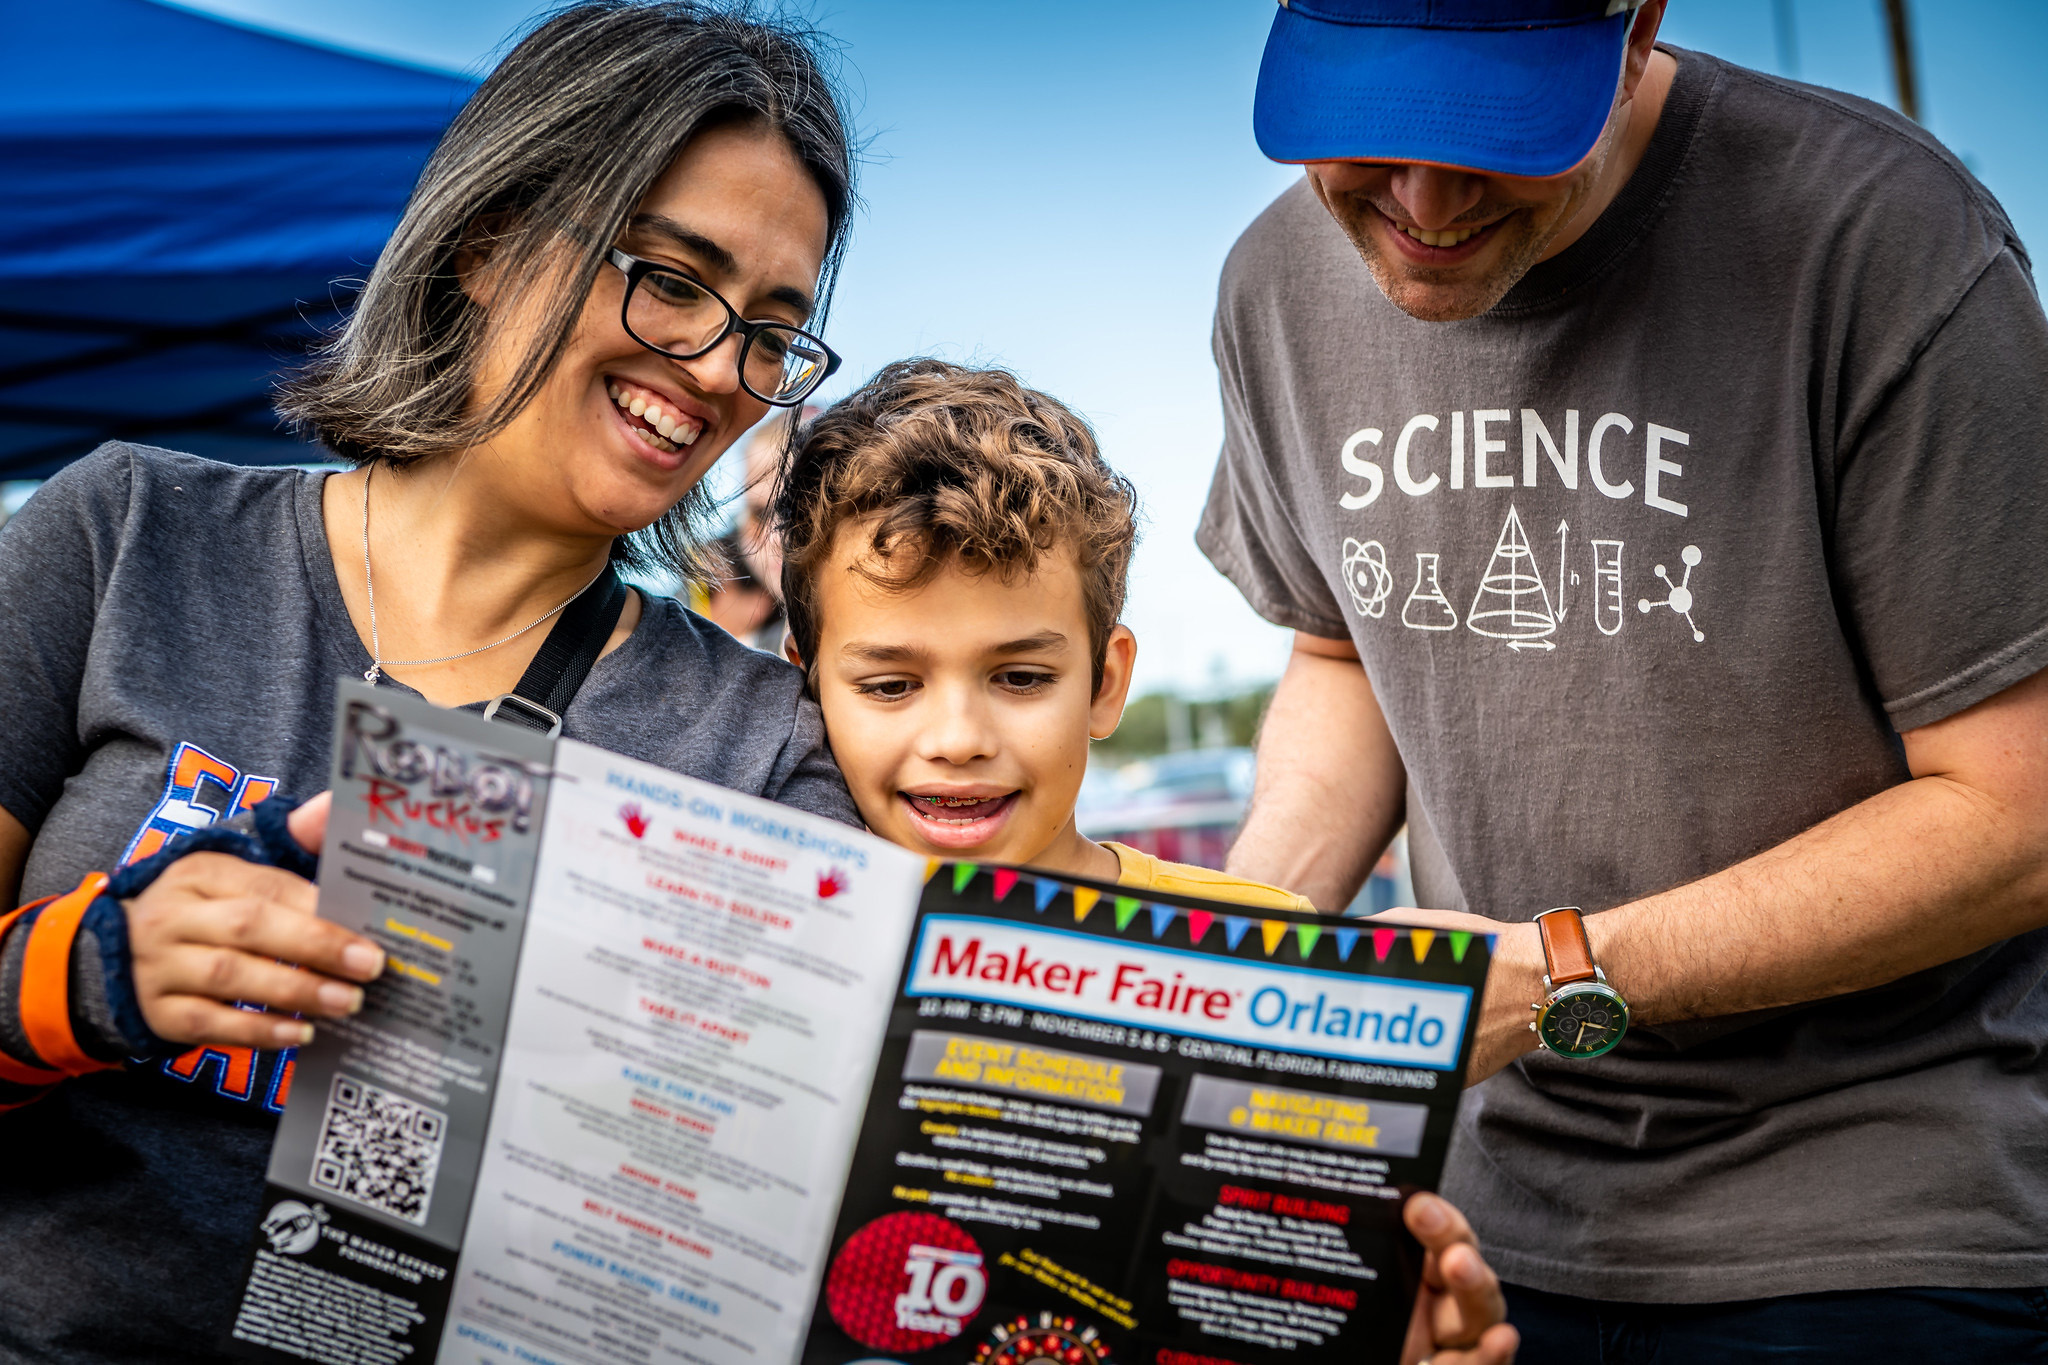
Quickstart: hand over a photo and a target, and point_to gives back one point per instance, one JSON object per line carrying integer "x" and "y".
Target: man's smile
{"x": 1446, "y": 246}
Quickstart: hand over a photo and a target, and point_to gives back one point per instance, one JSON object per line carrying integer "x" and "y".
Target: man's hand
{"x": 211, "y": 931}
{"x": 1513, "y": 983}
{"x": 1460, "y": 1316}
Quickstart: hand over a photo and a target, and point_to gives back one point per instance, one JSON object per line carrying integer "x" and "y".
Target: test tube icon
{"x": 1607, "y": 586}
{"x": 1427, "y": 608}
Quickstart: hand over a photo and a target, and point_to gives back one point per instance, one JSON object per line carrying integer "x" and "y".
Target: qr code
{"x": 379, "y": 1149}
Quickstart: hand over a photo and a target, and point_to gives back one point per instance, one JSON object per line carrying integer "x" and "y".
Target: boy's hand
{"x": 210, "y": 932}
{"x": 1460, "y": 1316}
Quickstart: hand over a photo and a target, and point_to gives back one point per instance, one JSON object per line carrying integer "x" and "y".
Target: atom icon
{"x": 1680, "y": 600}
{"x": 1365, "y": 574}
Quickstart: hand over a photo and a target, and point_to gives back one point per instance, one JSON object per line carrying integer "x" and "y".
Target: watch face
{"x": 1584, "y": 1019}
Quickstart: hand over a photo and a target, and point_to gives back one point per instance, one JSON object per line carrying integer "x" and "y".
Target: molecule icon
{"x": 1680, "y": 599}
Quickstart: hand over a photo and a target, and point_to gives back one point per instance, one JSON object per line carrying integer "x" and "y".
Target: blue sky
{"x": 1052, "y": 185}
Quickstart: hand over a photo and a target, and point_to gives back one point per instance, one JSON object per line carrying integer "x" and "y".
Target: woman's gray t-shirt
{"x": 170, "y": 633}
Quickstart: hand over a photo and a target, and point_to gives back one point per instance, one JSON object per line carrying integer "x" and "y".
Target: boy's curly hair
{"x": 954, "y": 465}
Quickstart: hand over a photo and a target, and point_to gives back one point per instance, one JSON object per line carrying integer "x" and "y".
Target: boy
{"x": 954, "y": 560}
{"x": 954, "y": 557}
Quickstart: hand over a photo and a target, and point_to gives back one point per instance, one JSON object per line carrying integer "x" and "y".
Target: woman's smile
{"x": 662, "y": 419}
{"x": 665, "y": 429}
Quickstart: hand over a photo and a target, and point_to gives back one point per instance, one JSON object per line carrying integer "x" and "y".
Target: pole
{"x": 1902, "y": 58}
{"x": 1788, "y": 38}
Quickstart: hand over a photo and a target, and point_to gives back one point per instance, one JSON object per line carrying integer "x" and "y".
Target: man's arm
{"x": 1330, "y": 786}
{"x": 1921, "y": 874}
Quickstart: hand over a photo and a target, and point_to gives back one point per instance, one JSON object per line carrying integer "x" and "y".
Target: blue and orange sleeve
{"x": 22, "y": 1080}
{"x": 40, "y": 1045}
{"x": 67, "y": 992}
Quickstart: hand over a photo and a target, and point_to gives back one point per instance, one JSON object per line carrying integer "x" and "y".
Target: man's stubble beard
{"x": 1521, "y": 242}
{"x": 1418, "y": 290}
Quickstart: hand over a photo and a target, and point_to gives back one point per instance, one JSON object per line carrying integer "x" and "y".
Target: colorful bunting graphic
{"x": 1271, "y": 932}
{"x": 1492, "y": 944}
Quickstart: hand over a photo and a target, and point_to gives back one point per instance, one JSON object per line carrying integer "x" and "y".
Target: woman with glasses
{"x": 615, "y": 264}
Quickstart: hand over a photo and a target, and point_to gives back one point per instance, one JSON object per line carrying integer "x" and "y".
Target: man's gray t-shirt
{"x": 1649, "y": 566}
{"x": 171, "y": 630}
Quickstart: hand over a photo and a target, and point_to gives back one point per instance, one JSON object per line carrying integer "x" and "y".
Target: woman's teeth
{"x": 1445, "y": 238}
{"x": 665, "y": 430}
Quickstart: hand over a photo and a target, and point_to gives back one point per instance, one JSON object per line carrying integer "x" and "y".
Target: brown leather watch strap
{"x": 1566, "y": 950}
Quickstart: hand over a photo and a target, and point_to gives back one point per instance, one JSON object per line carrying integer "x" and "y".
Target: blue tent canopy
{"x": 182, "y": 203}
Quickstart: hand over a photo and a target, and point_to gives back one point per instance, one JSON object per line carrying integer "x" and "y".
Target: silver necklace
{"x": 377, "y": 661}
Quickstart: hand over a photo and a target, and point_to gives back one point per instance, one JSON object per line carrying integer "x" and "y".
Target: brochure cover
{"x": 1107, "y": 1128}
{"x": 660, "y": 1072}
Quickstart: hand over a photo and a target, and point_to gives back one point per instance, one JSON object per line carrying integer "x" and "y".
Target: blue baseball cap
{"x": 1511, "y": 87}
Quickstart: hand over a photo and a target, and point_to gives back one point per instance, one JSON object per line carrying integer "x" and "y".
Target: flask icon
{"x": 1427, "y": 608}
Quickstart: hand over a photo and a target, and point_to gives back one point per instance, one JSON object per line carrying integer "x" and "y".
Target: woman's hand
{"x": 207, "y": 938}
{"x": 1460, "y": 1317}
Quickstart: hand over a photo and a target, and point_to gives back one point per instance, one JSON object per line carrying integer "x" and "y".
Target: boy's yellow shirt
{"x": 1144, "y": 872}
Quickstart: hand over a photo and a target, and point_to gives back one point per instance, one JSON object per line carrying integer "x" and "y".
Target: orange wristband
{"x": 46, "y": 980}
{"x": 21, "y": 1073}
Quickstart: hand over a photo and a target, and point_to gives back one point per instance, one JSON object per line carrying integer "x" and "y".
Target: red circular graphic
{"x": 906, "y": 1282}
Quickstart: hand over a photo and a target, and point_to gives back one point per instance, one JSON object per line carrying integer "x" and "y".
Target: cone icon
{"x": 1512, "y": 603}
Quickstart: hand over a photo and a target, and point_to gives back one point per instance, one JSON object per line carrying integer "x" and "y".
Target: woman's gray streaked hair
{"x": 554, "y": 151}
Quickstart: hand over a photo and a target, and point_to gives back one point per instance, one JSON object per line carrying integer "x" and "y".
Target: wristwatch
{"x": 1581, "y": 1016}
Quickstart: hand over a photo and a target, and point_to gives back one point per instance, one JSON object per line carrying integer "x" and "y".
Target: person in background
{"x": 1647, "y": 454}
{"x": 745, "y": 597}
{"x": 955, "y": 561}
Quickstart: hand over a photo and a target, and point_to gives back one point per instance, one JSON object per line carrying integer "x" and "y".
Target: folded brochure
{"x": 660, "y": 1072}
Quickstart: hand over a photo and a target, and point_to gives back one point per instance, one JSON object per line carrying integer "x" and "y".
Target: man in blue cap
{"x": 1648, "y": 455}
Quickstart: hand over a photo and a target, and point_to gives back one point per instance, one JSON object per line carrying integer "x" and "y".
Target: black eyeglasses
{"x": 673, "y": 315}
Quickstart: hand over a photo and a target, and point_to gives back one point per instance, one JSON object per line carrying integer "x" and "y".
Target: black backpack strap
{"x": 565, "y": 657}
